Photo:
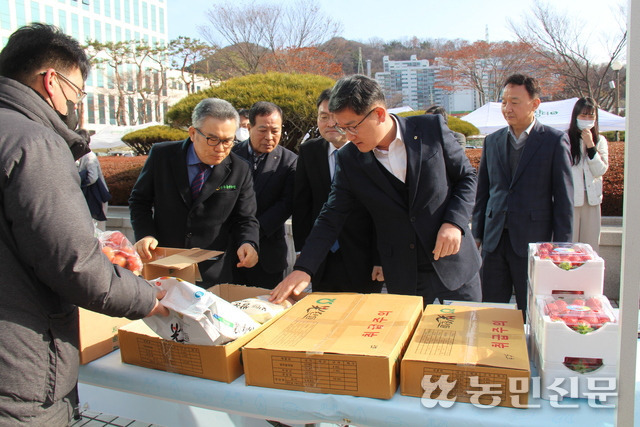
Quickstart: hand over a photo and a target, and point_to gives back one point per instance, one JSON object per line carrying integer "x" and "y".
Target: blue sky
{"x": 464, "y": 19}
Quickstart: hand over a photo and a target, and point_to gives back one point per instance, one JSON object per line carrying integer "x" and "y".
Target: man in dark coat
{"x": 418, "y": 185}
{"x": 197, "y": 194}
{"x": 349, "y": 265}
{"x": 273, "y": 168}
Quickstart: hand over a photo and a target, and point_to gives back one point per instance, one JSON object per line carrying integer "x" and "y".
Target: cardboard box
{"x": 139, "y": 345}
{"x": 98, "y": 334}
{"x": 174, "y": 262}
{"x": 335, "y": 343}
{"x": 546, "y": 277}
{"x": 466, "y": 342}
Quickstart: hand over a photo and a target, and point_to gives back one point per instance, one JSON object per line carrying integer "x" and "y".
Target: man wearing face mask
{"x": 50, "y": 261}
{"x": 524, "y": 192}
{"x": 242, "y": 133}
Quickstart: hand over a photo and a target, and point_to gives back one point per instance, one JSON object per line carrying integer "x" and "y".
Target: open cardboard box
{"x": 139, "y": 345}
{"x": 98, "y": 334}
{"x": 175, "y": 262}
{"x": 335, "y": 343}
{"x": 470, "y": 345}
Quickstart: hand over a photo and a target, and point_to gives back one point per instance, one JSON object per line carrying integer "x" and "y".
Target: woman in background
{"x": 590, "y": 159}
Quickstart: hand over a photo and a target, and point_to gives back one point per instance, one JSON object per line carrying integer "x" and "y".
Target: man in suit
{"x": 273, "y": 168}
{"x": 349, "y": 264}
{"x": 197, "y": 194}
{"x": 417, "y": 184}
{"x": 525, "y": 192}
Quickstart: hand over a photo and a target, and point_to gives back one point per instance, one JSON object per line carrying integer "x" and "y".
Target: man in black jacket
{"x": 197, "y": 194}
{"x": 351, "y": 265}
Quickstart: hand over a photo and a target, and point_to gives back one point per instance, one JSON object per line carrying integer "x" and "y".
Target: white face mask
{"x": 242, "y": 134}
{"x": 585, "y": 124}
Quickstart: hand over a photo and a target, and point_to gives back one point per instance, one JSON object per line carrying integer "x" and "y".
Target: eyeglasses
{"x": 80, "y": 94}
{"x": 214, "y": 141}
{"x": 352, "y": 129}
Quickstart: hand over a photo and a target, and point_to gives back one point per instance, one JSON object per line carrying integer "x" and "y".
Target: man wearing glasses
{"x": 197, "y": 194}
{"x": 50, "y": 261}
{"x": 273, "y": 168}
{"x": 419, "y": 187}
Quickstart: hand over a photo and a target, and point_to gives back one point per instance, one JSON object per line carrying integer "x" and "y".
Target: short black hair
{"x": 436, "y": 109}
{"x": 530, "y": 84}
{"x": 36, "y": 46}
{"x": 324, "y": 96}
{"x": 357, "y": 92}
{"x": 263, "y": 108}
{"x": 244, "y": 112}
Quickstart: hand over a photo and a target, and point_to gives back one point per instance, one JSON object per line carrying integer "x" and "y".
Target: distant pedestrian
{"x": 94, "y": 187}
{"x": 590, "y": 160}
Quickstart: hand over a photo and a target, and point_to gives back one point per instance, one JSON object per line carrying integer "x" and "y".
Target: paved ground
{"x": 96, "y": 419}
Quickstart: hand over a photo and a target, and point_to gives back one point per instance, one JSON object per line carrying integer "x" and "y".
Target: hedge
{"x": 142, "y": 140}
{"x": 121, "y": 173}
{"x": 455, "y": 124}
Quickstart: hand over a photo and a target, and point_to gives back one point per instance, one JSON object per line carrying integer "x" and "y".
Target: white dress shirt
{"x": 395, "y": 158}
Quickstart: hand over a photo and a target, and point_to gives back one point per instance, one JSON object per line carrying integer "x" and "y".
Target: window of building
{"x": 48, "y": 14}
{"x": 161, "y": 18}
{"x": 107, "y": 8}
{"x": 127, "y": 34}
{"x": 85, "y": 4}
{"x": 101, "y": 115}
{"x": 127, "y": 12}
{"x": 112, "y": 110}
{"x": 99, "y": 77}
{"x": 136, "y": 13}
{"x": 116, "y": 9}
{"x": 75, "y": 26}
{"x": 86, "y": 23}
{"x": 140, "y": 111}
{"x": 118, "y": 34}
{"x": 107, "y": 33}
{"x": 62, "y": 20}
{"x": 132, "y": 111}
{"x": 145, "y": 14}
{"x": 35, "y": 11}
{"x": 98, "y": 31}
{"x": 110, "y": 78}
{"x": 91, "y": 112}
{"x": 153, "y": 18}
{"x": 21, "y": 18}
{"x": 149, "y": 112}
{"x": 5, "y": 16}
{"x": 96, "y": 6}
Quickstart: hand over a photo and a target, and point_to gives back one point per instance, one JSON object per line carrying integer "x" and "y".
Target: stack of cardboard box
{"x": 573, "y": 328}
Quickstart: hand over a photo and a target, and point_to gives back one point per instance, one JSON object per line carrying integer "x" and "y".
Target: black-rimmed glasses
{"x": 80, "y": 94}
{"x": 214, "y": 141}
{"x": 352, "y": 129}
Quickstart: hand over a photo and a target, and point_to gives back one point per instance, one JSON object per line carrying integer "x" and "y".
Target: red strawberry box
{"x": 565, "y": 267}
{"x": 576, "y": 377}
{"x": 575, "y": 326}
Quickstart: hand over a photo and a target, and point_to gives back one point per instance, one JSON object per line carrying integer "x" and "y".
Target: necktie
{"x": 332, "y": 172}
{"x": 198, "y": 181}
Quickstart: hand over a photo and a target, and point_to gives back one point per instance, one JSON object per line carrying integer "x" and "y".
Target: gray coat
{"x": 50, "y": 261}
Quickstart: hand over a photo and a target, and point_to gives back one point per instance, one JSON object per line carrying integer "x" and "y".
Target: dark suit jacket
{"x": 537, "y": 204}
{"x": 273, "y": 185}
{"x": 357, "y": 238}
{"x": 223, "y": 215}
{"x": 441, "y": 186}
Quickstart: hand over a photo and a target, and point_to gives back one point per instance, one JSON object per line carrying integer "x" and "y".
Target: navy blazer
{"x": 273, "y": 186}
{"x": 441, "y": 186}
{"x": 537, "y": 204}
{"x": 312, "y": 188}
{"x": 222, "y": 217}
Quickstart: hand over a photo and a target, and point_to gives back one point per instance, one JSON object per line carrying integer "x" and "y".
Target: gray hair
{"x": 215, "y": 108}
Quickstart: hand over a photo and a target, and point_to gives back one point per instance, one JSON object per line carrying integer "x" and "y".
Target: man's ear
{"x": 536, "y": 103}
{"x": 48, "y": 82}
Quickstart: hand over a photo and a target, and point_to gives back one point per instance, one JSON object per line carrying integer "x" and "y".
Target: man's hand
{"x": 376, "y": 273}
{"x": 145, "y": 246}
{"x": 247, "y": 256}
{"x": 159, "y": 308}
{"x": 448, "y": 241}
{"x": 294, "y": 283}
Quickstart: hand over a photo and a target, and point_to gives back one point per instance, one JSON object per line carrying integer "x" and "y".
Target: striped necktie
{"x": 198, "y": 181}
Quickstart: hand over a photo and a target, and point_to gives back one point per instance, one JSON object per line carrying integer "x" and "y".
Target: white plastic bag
{"x": 197, "y": 316}
{"x": 259, "y": 308}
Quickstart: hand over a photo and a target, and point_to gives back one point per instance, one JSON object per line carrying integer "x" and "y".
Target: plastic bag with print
{"x": 197, "y": 316}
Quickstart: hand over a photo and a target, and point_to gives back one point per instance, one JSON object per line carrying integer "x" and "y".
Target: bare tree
{"x": 186, "y": 53}
{"x": 568, "y": 49}
{"x": 253, "y": 31}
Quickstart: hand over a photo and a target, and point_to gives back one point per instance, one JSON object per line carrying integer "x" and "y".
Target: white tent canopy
{"x": 111, "y": 136}
{"x": 557, "y": 114}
